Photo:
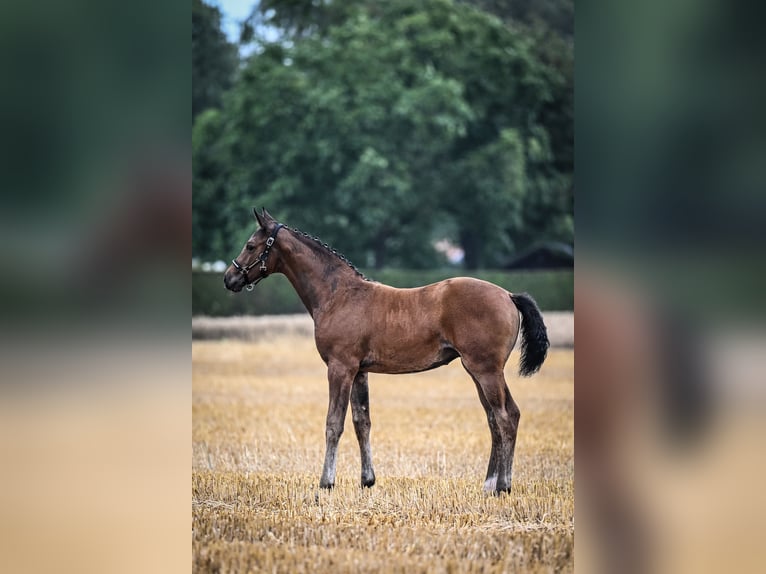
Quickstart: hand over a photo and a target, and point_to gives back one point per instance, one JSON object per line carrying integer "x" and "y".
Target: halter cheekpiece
{"x": 260, "y": 259}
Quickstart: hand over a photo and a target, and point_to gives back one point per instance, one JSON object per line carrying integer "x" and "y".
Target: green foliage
{"x": 214, "y": 59}
{"x": 296, "y": 18}
{"x": 210, "y": 208}
{"x": 553, "y": 290}
{"x": 390, "y": 123}
{"x": 555, "y": 15}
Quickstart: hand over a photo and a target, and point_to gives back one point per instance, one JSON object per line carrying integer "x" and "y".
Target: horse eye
{"x": 250, "y": 247}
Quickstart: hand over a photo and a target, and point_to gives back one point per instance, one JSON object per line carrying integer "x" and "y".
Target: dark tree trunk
{"x": 379, "y": 251}
{"x": 469, "y": 241}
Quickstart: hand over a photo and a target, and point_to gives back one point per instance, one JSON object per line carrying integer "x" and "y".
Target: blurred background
{"x": 421, "y": 139}
{"x": 670, "y": 328}
{"x": 94, "y": 162}
{"x": 95, "y": 212}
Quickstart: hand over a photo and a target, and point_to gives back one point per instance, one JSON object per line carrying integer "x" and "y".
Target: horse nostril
{"x": 232, "y": 281}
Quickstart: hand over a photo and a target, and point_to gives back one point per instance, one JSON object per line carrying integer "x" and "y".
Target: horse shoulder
{"x": 339, "y": 329}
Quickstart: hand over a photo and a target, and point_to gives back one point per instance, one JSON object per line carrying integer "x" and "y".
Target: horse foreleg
{"x": 340, "y": 380}
{"x": 360, "y": 413}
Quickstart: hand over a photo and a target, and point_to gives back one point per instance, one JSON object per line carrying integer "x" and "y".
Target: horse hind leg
{"x": 360, "y": 413}
{"x": 491, "y": 479}
{"x": 514, "y": 415}
{"x": 503, "y": 418}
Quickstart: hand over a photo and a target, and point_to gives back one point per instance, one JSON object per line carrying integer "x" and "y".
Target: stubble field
{"x": 258, "y": 447}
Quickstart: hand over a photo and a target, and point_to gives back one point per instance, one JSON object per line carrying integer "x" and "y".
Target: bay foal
{"x": 362, "y": 327}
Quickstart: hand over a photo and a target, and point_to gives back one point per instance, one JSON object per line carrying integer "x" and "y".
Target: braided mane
{"x": 330, "y": 250}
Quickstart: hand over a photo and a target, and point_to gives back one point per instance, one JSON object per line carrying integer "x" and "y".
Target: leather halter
{"x": 260, "y": 259}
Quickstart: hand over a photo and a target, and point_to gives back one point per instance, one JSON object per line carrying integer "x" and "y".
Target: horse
{"x": 361, "y": 327}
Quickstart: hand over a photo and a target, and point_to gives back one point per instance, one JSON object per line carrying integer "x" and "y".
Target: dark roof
{"x": 550, "y": 255}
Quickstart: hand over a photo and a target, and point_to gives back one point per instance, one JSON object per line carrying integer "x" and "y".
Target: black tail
{"x": 534, "y": 336}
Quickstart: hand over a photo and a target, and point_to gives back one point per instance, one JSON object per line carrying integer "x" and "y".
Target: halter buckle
{"x": 250, "y": 286}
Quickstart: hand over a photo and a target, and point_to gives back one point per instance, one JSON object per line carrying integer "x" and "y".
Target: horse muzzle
{"x": 233, "y": 280}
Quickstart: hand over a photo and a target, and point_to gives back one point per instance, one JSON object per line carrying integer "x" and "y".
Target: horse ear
{"x": 263, "y": 218}
{"x": 258, "y": 217}
{"x": 267, "y": 216}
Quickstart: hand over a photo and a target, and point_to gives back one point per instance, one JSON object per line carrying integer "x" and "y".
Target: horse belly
{"x": 406, "y": 353}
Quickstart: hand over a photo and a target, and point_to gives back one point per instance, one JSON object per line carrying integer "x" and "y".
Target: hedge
{"x": 553, "y": 290}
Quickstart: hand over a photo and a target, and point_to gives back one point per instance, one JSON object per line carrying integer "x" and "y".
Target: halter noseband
{"x": 261, "y": 259}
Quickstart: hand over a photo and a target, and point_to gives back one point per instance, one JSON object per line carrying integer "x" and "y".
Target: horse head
{"x": 256, "y": 260}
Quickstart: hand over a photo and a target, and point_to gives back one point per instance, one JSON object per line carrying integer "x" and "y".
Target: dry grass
{"x": 258, "y": 447}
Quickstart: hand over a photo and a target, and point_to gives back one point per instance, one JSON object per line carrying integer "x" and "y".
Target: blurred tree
{"x": 554, "y": 15}
{"x": 548, "y": 205}
{"x": 214, "y": 58}
{"x": 376, "y": 124}
{"x": 296, "y": 18}
{"x": 210, "y": 201}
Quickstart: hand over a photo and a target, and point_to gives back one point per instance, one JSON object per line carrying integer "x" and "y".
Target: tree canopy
{"x": 382, "y": 127}
{"x": 214, "y": 59}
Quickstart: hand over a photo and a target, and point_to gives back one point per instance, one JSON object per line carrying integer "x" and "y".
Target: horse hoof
{"x": 502, "y": 490}
{"x": 328, "y": 486}
{"x": 368, "y": 482}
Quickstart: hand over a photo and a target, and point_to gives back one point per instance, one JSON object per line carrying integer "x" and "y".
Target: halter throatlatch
{"x": 260, "y": 259}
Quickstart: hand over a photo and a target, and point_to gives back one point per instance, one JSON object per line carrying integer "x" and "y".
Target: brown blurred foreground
{"x": 670, "y": 426}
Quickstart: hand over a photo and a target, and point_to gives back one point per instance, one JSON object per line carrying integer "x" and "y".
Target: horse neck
{"x": 314, "y": 272}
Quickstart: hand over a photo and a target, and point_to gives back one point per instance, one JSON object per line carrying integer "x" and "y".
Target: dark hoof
{"x": 329, "y": 486}
{"x": 368, "y": 482}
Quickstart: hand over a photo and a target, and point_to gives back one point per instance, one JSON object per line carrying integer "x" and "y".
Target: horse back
{"x": 395, "y": 330}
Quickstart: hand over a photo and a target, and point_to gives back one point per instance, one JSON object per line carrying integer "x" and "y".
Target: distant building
{"x": 550, "y": 255}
